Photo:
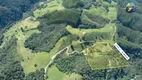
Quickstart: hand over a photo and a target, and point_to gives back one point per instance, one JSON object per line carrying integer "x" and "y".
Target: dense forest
{"x": 53, "y": 33}
{"x": 12, "y": 10}
{"x": 52, "y": 27}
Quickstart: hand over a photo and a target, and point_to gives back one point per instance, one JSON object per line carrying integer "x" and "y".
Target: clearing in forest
{"x": 55, "y": 74}
{"x": 104, "y": 55}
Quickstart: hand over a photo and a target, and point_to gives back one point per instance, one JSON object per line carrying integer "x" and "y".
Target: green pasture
{"x": 103, "y": 55}
{"x": 105, "y": 33}
{"x": 52, "y": 6}
{"x": 55, "y": 74}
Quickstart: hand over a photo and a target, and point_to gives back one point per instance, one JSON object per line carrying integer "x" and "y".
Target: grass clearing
{"x": 112, "y": 14}
{"x": 103, "y": 55}
{"x": 105, "y": 33}
{"x": 78, "y": 46}
{"x": 75, "y": 31}
{"x": 52, "y": 6}
{"x": 55, "y": 74}
{"x": 27, "y": 24}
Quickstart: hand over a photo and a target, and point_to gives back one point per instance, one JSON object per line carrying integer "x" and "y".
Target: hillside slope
{"x": 73, "y": 40}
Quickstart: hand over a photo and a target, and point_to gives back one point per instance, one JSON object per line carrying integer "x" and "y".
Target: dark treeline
{"x": 9, "y": 67}
{"x": 12, "y": 10}
{"x": 129, "y": 28}
{"x": 130, "y": 38}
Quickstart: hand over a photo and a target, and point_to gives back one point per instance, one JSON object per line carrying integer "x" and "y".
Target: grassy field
{"x": 27, "y": 24}
{"x": 90, "y": 34}
{"x": 112, "y": 14}
{"x": 103, "y": 55}
{"x": 55, "y": 74}
{"x": 78, "y": 46}
{"x": 52, "y": 6}
{"x": 107, "y": 28}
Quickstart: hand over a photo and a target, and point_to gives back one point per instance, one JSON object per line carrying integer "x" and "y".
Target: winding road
{"x": 53, "y": 57}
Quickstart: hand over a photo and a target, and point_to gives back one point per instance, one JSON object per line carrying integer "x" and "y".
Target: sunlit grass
{"x": 55, "y": 74}
{"x": 52, "y": 6}
{"x": 103, "y": 55}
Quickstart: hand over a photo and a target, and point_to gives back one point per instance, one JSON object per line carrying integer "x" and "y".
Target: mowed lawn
{"x": 55, "y": 74}
{"x": 103, "y": 55}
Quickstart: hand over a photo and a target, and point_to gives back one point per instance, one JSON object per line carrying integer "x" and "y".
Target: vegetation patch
{"x": 72, "y": 3}
{"x": 67, "y": 40}
{"x": 71, "y": 63}
{"x": 105, "y": 33}
{"x": 69, "y": 16}
{"x": 29, "y": 61}
{"x": 44, "y": 43}
{"x": 78, "y": 46}
{"x": 103, "y": 56}
{"x": 112, "y": 14}
{"x": 95, "y": 16}
{"x": 52, "y": 6}
{"x": 55, "y": 74}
